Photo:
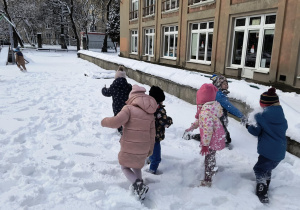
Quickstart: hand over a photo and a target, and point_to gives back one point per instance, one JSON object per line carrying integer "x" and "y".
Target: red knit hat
{"x": 206, "y": 93}
{"x": 268, "y": 98}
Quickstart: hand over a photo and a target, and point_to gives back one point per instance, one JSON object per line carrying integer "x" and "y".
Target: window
{"x": 169, "y": 5}
{"x": 134, "y": 10}
{"x": 149, "y": 41}
{"x": 47, "y": 26}
{"x": 170, "y": 41}
{"x": 149, "y": 8}
{"x": 192, "y": 2}
{"x": 134, "y": 41}
{"x": 253, "y": 42}
{"x": 201, "y": 41}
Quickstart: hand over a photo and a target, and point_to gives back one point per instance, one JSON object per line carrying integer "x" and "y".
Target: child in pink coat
{"x": 137, "y": 141}
{"x": 212, "y": 132}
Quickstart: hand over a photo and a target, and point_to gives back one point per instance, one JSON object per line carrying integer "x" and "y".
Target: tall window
{"x": 169, "y": 5}
{"x": 134, "y": 41}
{"x": 253, "y": 41}
{"x": 170, "y": 41}
{"x": 149, "y": 8}
{"x": 201, "y": 41}
{"x": 134, "y": 10}
{"x": 149, "y": 41}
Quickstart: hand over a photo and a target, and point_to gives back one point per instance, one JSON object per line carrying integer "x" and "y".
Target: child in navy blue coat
{"x": 270, "y": 129}
{"x": 119, "y": 90}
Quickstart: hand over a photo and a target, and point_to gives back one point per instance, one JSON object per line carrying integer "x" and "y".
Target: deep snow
{"x": 54, "y": 154}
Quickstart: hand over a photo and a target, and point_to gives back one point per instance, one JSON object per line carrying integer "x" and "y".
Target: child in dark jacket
{"x": 222, "y": 84}
{"x": 162, "y": 121}
{"x": 271, "y": 130}
{"x": 119, "y": 90}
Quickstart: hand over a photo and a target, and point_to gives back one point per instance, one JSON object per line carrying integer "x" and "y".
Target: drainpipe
{"x": 179, "y": 38}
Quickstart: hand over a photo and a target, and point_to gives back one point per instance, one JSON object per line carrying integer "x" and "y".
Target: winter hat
{"x": 157, "y": 94}
{"x": 120, "y": 73}
{"x": 206, "y": 93}
{"x": 218, "y": 80}
{"x": 269, "y": 98}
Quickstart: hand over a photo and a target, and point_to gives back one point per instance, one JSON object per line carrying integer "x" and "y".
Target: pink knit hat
{"x": 206, "y": 93}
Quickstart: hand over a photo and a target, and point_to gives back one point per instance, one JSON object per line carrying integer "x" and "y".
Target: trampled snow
{"x": 54, "y": 154}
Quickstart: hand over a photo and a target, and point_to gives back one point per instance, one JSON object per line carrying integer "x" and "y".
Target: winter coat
{"x": 270, "y": 129}
{"x": 161, "y": 121}
{"x": 227, "y": 107}
{"x": 138, "y": 122}
{"x": 20, "y": 58}
{"x": 119, "y": 90}
{"x": 211, "y": 129}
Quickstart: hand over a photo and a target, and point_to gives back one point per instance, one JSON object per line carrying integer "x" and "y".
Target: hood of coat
{"x": 138, "y": 98}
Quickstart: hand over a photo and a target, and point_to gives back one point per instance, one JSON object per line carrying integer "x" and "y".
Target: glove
{"x": 244, "y": 120}
{"x": 204, "y": 150}
{"x": 247, "y": 125}
{"x": 186, "y": 135}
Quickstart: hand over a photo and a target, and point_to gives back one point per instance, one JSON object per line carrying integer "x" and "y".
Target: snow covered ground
{"x": 54, "y": 154}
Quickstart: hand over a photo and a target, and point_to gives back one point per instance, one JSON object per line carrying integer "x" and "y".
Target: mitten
{"x": 204, "y": 150}
{"x": 244, "y": 120}
{"x": 186, "y": 135}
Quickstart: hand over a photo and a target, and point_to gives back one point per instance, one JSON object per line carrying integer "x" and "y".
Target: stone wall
{"x": 183, "y": 92}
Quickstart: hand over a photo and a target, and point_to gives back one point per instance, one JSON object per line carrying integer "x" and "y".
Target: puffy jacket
{"x": 227, "y": 106}
{"x": 271, "y": 132}
{"x": 161, "y": 122}
{"x": 119, "y": 90}
{"x": 137, "y": 118}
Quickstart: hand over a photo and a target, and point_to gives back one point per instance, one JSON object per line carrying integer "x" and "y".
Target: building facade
{"x": 253, "y": 39}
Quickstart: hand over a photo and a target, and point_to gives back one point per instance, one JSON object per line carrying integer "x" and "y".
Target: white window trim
{"x": 150, "y": 15}
{"x": 200, "y": 31}
{"x": 153, "y": 38}
{"x": 171, "y": 10}
{"x": 202, "y": 3}
{"x": 169, "y": 33}
{"x": 131, "y": 37}
{"x": 262, "y": 27}
{"x": 132, "y": 9}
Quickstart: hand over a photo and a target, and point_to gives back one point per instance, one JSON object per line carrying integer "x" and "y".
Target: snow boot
{"x": 140, "y": 189}
{"x": 268, "y": 184}
{"x": 262, "y": 192}
{"x": 204, "y": 183}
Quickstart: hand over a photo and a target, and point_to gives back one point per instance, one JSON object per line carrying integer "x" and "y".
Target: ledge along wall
{"x": 183, "y": 92}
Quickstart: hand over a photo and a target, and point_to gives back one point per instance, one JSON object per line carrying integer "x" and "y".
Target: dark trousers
{"x": 263, "y": 169}
{"x": 210, "y": 163}
{"x": 155, "y": 158}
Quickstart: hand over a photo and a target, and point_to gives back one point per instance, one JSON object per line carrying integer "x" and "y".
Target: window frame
{"x": 147, "y": 8}
{"x": 134, "y": 14}
{"x": 199, "y": 31}
{"x": 246, "y": 28}
{"x": 152, "y": 34}
{"x": 134, "y": 34}
{"x": 169, "y": 33}
{"x": 201, "y": 2}
{"x": 164, "y": 6}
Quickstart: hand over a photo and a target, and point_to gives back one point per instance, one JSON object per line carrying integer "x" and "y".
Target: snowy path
{"x": 55, "y": 155}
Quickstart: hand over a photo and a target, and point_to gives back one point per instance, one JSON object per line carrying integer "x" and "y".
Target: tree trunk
{"x": 74, "y": 26}
{"x": 104, "y": 47}
{"x": 15, "y": 34}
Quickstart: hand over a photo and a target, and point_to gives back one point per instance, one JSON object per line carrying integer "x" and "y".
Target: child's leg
{"x": 155, "y": 158}
{"x": 132, "y": 174}
{"x": 210, "y": 163}
{"x": 23, "y": 65}
{"x": 263, "y": 169}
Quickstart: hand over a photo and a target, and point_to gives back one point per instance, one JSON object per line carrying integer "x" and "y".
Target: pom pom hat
{"x": 269, "y": 98}
{"x": 120, "y": 73}
{"x": 206, "y": 93}
{"x": 157, "y": 94}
